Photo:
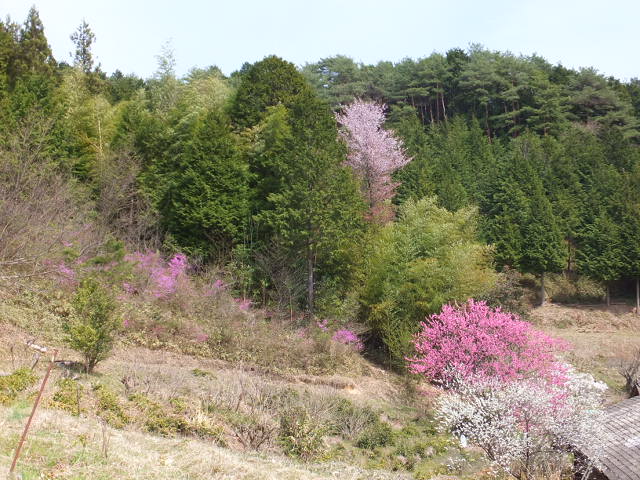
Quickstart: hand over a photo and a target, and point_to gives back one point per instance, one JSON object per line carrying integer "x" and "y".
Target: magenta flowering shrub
{"x": 348, "y": 337}
{"x": 478, "y": 341}
{"x": 244, "y": 304}
{"x": 66, "y": 275}
{"x": 159, "y": 278}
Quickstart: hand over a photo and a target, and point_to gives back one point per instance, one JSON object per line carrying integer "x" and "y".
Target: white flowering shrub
{"x": 527, "y": 428}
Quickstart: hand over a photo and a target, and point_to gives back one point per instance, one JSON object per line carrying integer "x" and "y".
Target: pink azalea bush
{"x": 347, "y": 337}
{"x": 159, "y": 278}
{"x": 476, "y": 340}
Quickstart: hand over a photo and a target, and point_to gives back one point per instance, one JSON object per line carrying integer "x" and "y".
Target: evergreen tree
{"x": 34, "y": 53}
{"x": 202, "y": 191}
{"x": 315, "y": 209}
{"x": 303, "y": 198}
{"x": 83, "y": 38}
{"x": 265, "y": 84}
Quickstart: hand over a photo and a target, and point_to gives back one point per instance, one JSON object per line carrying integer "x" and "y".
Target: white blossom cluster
{"x": 528, "y": 428}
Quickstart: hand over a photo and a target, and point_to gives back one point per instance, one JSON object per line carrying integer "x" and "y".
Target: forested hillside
{"x": 340, "y": 203}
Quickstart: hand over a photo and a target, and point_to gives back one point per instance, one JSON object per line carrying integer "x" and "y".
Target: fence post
{"x": 33, "y": 411}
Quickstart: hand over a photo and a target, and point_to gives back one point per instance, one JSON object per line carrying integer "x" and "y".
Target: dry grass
{"x": 66, "y": 447}
{"x": 600, "y": 337}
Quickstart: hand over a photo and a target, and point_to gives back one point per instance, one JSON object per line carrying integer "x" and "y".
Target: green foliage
{"x": 67, "y": 396}
{"x": 93, "y": 327}
{"x": 429, "y": 257}
{"x": 200, "y": 186}
{"x": 109, "y": 408}
{"x": 379, "y": 434}
{"x": 300, "y": 435}
{"x": 158, "y": 419}
{"x": 305, "y": 203}
{"x": 520, "y": 221}
{"x": 269, "y": 82}
{"x": 18, "y": 381}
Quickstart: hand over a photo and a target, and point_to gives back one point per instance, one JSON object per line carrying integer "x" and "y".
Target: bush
{"x": 350, "y": 420}
{"x": 379, "y": 434}
{"x": 67, "y": 396}
{"x": 109, "y": 409}
{"x": 564, "y": 288}
{"x": 92, "y": 329}
{"x": 157, "y": 419}
{"x": 528, "y": 428}
{"x": 300, "y": 435}
{"x": 18, "y": 381}
{"x": 508, "y": 293}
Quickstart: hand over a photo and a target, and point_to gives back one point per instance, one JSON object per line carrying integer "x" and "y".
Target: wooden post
{"x": 33, "y": 412}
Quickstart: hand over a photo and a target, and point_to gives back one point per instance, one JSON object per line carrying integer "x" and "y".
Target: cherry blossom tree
{"x": 374, "y": 154}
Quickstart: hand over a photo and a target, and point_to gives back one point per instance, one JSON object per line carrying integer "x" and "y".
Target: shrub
{"x": 67, "y": 396}
{"x": 252, "y": 430}
{"x": 300, "y": 435}
{"x": 92, "y": 329}
{"x": 18, "y": 381}
{"x": 476, "y": 340}
{"x": 109, "y": 409}
{"x": 508, "y": 293}
{"x": 157, "y": 419}
{"x": 378, "y": 434}
{"x": 350, "y": 420}
{"x": 347, "y": 337}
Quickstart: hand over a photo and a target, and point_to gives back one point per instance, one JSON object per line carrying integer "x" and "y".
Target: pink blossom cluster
{"x": 323, "y": 325}
{"x": 162, "y": 277}
{"x": 478, "y": 341}
{"x": 374, "y": 154}
{"x": 66, "y": 274}
{"x": 348, "y": 337}
{"x": 244, "y": 304}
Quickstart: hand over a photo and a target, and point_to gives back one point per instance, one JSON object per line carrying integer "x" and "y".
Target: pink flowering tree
{"x": 477, "y": 340}
{"x": 507, "y": 393}
{"x": 374, "y": 154}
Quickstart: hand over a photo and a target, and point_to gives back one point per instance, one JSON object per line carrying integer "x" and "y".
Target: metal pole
{"x": 33, "y": 412}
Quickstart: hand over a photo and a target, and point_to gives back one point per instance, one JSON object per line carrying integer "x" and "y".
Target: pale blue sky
{"x": 130, "y": 33}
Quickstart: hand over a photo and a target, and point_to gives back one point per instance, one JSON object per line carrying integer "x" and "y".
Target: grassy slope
{"x": 600, "y": 338}
{"x": 72, "y": 447}
{"x": 62, "y": 445}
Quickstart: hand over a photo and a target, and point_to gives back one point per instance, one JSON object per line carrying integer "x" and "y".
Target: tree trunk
{"x": 638, "y": 296}
{"x": 543, "y": 293}
{"x": 310, "y": 282}
{"x": 486, "y": 120}
{"x": 444, "y": 109}
{"x": 608, "y": 295}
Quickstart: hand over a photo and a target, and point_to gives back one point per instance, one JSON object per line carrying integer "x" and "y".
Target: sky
{"x": 227, "y": 33}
